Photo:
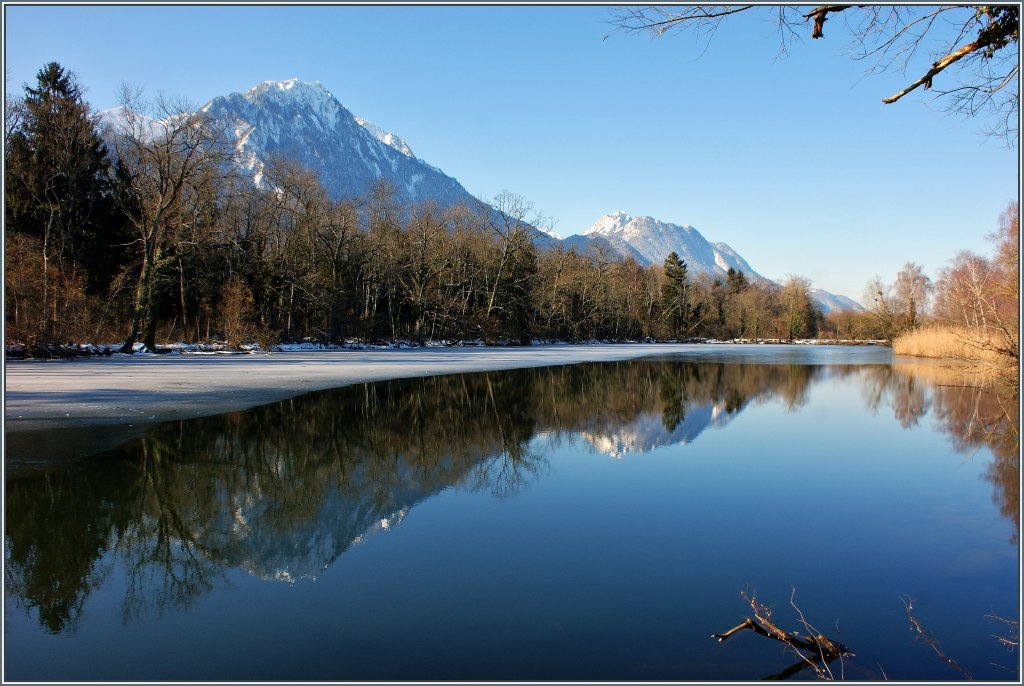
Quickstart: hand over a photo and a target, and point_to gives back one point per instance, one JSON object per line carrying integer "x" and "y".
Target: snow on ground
{"x": 140, "y": 389}
{"x": 129, "y": 389}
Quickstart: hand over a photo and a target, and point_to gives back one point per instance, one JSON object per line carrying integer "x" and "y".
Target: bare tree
{"x": 512, "y": 259}
{"x": 383, "y": 218}
{"x": 174, "y": 158}
{"x": 881, "y": 307}
{"x": 14, "y": 116}
{"x": 302, "y": 221}
{"x": 961, "y": 290}
{"x": 423, "y": 263}
{"x": 981, "y": 295}
{"x": 755, "y": 305}
{"x": 799, "y": 311}
{"x": 910, "y": 293}
{"x": 972, "y": 48}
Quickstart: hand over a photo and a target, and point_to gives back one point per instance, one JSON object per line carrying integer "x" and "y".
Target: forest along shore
{"x": 151, "y": 388}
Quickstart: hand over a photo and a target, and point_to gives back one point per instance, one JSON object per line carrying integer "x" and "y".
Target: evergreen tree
{"x": 735, "y": 281}
{"x": 675, "y": 292}
{"x": 57, "y": 180}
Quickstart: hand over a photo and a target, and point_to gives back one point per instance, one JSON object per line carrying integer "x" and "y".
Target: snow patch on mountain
{"x": 647, "y": 431}
{"x": 653, "y": 240}
{"x": 302, "y": 121}
{"x": 386, "y": 137}
{"x": 649, "y": 241}
{"x": 610, "y": 224}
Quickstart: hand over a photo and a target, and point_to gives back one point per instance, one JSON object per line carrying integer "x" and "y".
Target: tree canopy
{"x": 56, "y": 173}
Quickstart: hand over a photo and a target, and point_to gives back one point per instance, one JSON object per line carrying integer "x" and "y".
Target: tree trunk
{"x": 152, "y": 314}
{"x": 181, "y": 296}
{"x": 144, "y": 305}
{"x": 48, "y": 323}
{"x": 137, "y": 309}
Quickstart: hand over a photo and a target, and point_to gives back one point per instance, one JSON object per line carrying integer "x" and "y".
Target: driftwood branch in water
{"x": 929, "y": 639}
{"x": 820, "y": 648}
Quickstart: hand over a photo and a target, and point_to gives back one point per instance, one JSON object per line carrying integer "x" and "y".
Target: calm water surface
{"x": 587, "y": 522}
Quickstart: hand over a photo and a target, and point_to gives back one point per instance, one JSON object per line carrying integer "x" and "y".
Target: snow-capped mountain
{"x": 653, "y": 240}
{"x": 830, "y": 302}
{"x": 302, "y": 121}
{"x": 649, "y": 241}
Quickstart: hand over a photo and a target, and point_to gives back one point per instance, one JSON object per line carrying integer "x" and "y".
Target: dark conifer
{"x": 57, "y": 181}
{"x": 675, "y": 300}
{"x": 735, "y": 281}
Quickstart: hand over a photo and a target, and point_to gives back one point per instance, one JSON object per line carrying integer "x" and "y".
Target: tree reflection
{"x": 280, "y": 491}
{"x": 283, "y": 490}
{"x": 974, "y": 410}
{"x": 906, "y": 394}
{"x": 56, "y": 545}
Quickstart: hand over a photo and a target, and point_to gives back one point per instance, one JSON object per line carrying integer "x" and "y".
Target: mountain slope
{"x": 830, "y": 302}
{"x": 653, "y": 240}
{"x": 304, "y": 122}
{"x": 649, "y": 241}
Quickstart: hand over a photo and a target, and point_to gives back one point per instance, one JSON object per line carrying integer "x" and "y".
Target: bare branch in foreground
{"x": 929, "y": 639}
{"x": 937, "y": 67}
{"x": 1011, "y": 642}
{"x": 820, "y": 14}
{"x": 815, "y": 650}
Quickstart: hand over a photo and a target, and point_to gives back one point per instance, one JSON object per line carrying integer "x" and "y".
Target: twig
{"x": 1007, "y": 641}
{"x": 929, "y": 639}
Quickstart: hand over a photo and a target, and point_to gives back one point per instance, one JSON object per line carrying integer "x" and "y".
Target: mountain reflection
{"x": 687, "y": 398}
{"x": 283, "y": 490}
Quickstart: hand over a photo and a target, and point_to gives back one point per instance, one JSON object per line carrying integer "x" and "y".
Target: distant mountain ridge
{"x": 831, "y": 302}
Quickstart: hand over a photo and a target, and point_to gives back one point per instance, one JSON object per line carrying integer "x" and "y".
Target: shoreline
{"x": 136, "y": 390}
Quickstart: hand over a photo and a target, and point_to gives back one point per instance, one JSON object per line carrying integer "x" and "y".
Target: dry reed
{"x": 954, "y": 343}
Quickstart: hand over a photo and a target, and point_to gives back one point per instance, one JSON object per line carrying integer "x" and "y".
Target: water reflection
{"x": 283, "y": 490}
{"x": 974, "y": 410}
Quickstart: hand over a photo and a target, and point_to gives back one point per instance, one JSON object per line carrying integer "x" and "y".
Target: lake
{"x": 587, "y": 522}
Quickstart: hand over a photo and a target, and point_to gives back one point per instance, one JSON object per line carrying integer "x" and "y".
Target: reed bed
{"x": 956, "y": 343}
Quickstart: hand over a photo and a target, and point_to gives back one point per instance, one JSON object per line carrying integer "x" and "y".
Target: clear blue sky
{"x": 793, "y": 161}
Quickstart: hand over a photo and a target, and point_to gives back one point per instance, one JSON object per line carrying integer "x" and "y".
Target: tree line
{"x": 146, "y": 230}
